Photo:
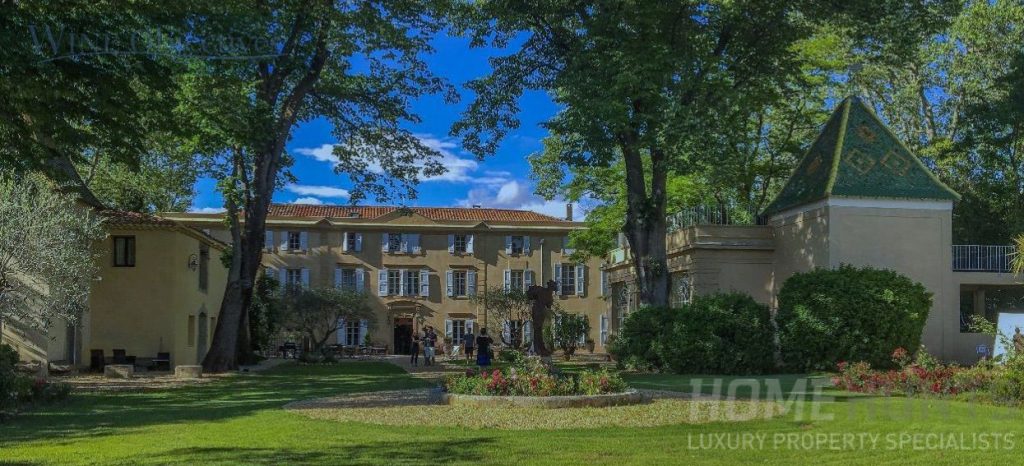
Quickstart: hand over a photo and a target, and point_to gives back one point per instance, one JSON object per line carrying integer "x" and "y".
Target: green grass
{"x": 240, "y": 420}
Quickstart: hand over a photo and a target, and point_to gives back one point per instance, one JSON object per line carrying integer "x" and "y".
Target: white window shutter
{"x": 401, "y": 282}
{"x": 508, "y": 279}
{"x": 359, "y": 242}
{"x": 450, "y": 283}
{"x": 414, "y": 243}
{"x": 341, "y": 332}
{"x": 448, "y": 328}
{"x": 470, "y": 282}
{"x": 526, "y": 244}
{"x": 337, "y": 277}
{"x": 604, "y": 329}
{"x": 508, "y": 245}
{"x": 425, "y": 283}
{"x": 581, "y": 278}
{"x": 360, "y": 280}
{"x": 604, "y": 282}
{"x": 305, "y": 278}
{"x": 527, "y": 332}
{"x": 382, "y": 282}
{"x": 583, "y": 339}
{"x": 451, "y": 244}
{"x": 506, "y": 332}
{"x": 284, "y": 241}
{"x": 558, "y": 278}
{"x": 383, "y": 242}
{"x": 344, "y": 241}
{"x": 469, "y": 244}
{"x": 470, "y": 323}
{"x": 363, "y": 327}
{"x": 304, "y": 241}
{"x": 268, "y": 240}
{"x": 527, "y": 279}
{"x": 282, "y": 276}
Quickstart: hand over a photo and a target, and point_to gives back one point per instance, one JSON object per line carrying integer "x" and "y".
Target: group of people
{"x": 428, "y": 341}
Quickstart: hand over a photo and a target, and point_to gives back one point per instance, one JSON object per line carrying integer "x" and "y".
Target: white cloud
{"x": 319, "y": 191}
{"x": 460, "y": 168}
{"x": 518, "y": 195}
{"x": 308, "y": 200}
{"x": 206, "y": 210}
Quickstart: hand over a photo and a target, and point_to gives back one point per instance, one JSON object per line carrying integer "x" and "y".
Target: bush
{"x": 18, "y": 389}
{"x": 726, "y": 333}
{"x": 9, "y": 379}
{"x": 849, "y": 314}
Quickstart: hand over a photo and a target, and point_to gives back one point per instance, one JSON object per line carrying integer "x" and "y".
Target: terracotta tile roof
{"x": 433, "y": 213}
{"x": 124, "y": 218}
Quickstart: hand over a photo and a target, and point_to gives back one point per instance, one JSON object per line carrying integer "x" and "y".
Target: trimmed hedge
{"x": 727, "y": 333}
{"x": 849, "y": 314}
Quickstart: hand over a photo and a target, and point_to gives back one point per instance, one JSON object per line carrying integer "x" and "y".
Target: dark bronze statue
{"x": 543, "y": 298}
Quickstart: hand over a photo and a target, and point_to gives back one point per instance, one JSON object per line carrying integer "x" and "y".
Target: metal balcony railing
{"x": 982, "y": 258}
{"x": 714, "y": 215}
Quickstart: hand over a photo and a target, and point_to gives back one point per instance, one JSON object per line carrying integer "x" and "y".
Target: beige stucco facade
{"x": 913, "y": 237}
{"x": 427, "y": 260}
{"x": 155, "y": 305}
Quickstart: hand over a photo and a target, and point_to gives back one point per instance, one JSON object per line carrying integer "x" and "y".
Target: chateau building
{"x": 420, "y": 266}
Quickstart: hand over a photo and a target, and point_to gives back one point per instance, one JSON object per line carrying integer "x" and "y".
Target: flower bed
{"x": 531, "y": 378}
{"x": 922, "y": 376}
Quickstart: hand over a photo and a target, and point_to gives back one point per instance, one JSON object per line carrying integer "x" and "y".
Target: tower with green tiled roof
{"x": 857, "y": 156}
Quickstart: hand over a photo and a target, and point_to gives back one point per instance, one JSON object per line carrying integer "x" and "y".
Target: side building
{"x": 158, "y": 293}
{"x": 421, "y": 265}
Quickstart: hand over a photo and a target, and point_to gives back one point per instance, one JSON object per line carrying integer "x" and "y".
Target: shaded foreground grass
{"x": 240, "y": 420}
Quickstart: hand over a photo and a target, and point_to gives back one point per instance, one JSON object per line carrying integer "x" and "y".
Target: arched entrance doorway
{"x": 406, "y": 318}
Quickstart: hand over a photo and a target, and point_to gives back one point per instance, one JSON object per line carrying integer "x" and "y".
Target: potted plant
{"x": 590, "y": 345}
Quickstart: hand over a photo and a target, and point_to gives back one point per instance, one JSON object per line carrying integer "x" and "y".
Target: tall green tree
{"x": 356, "y": 64}
{"x": 85, "y": 80}
{"x": 642, "y": 82}
{"x": 930, "y": 92}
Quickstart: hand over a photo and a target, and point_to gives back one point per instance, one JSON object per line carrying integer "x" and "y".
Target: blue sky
{"x": 500, "y": 181}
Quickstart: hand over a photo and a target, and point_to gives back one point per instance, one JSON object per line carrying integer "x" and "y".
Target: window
{"x": 459, "y": 282}
{"x": 191, "y": 331}
{"x": 412, "y": 282}
{"x": 351, "y": 333}
{"x": 516, "y": 280}
{"x": 124, "y": 251}
{"x": 204, "y": 267}
{"x": 294, "y": 241}
{"x": 348, "y": 279}
{"x": 517, "y": 244}
{"x": 293, "y": 278}
{"x": 567, "y": 279}
{"x": 458, "y": 331}
{"x": 460, "y": 243}
{"x": 394, "y": 282}
{"x": 350, "y": 242}
{"x": 394, "y": 242}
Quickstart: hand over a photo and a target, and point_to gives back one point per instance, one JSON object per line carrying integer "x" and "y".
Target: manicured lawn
{"x": 240, "y": 421}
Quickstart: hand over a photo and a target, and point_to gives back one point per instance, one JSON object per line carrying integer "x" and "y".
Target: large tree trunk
{"x": 645, "y": 226}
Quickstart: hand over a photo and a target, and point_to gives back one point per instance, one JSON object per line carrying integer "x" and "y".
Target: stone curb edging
{"x": 630, "y": 397}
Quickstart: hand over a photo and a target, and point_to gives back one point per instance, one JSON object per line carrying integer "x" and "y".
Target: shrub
{"x": 8, "y": 378}
{"x": 18, "y": 389}
{"x": 567, "y": 329}
{"x": 849, "y": 314}
{"x": 726, "y": 333}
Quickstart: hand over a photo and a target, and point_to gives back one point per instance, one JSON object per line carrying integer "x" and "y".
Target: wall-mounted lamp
{"x": 193, "y": 262}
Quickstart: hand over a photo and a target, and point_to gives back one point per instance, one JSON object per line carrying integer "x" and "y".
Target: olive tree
{"x": 48, "y": 254}
{"x": 507, "y": 309}
{"x": 317, "y": 313}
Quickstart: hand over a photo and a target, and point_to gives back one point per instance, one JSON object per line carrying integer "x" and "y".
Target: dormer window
{"x": 354, "y": 215}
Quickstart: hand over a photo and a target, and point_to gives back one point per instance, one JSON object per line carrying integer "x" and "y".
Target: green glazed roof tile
{"x": 857, "y": 156}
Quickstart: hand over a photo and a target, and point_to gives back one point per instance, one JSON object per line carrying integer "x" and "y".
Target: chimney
{"x": 568, "y": 212}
